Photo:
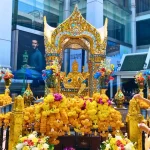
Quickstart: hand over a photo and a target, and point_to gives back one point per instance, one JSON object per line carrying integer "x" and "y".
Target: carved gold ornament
{"x": 76, "y": 33}
{"x": 75, "y": 27}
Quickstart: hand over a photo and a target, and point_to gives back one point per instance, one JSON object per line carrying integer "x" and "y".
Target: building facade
{"x": 5, "y": 32}
{"x": 142, "y": 25}
{"x": 28, "y": 17}
{"x": 128, "y": 27}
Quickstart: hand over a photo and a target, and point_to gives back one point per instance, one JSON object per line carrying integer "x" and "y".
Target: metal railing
{"x": 4, "y": 137}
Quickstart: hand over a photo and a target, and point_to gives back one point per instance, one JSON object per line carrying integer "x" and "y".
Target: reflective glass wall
{"x": 142, "y": 6}
{"x": 124, "y": 3}
{"x": 119, "y": 21}
{"x": 29, "y": 13}
{"x": 143, "y": 32}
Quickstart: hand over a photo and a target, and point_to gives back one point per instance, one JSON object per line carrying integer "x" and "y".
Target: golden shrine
{"x": 75, "y": 32}
{"x": 59, "y": 112}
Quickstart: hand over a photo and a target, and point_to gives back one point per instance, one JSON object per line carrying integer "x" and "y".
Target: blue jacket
{"x": 36, "y": 60}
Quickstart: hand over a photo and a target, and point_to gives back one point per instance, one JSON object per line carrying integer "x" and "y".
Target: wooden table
{"x": 79, "y": 142}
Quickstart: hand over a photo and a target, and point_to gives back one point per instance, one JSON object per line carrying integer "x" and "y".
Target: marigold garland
{"x": 57, "y": 114}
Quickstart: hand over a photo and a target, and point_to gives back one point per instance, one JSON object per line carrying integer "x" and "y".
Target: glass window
{"x": 143, "y": 32}
{"x": 142, "y": 5}
{"x": 118, "y": 22}
{"x": 124, "y": 3}
{"x": 30, "y": 13}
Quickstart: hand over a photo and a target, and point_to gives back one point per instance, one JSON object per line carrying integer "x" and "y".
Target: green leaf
{"x": 103, "y": 146}
{"x": 51, "y": 147}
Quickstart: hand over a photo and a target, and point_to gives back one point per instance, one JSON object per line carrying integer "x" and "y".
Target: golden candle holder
{"x": 119, "y": 98}
{"x": 141, "y": 92}
{"x": 7, "y": 85}
{"x": 28, "y": 96}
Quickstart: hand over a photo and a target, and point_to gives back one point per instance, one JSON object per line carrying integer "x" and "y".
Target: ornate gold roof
{"x": 76, "y": 29}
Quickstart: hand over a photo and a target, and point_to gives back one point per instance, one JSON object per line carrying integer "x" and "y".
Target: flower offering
{"x": 5, "y": 99}
{"x": 107, "y": 116}
{"x": 57, "y": 114}
{"x": 140, "y": 80}
{"x": 33, "y": 142}
{"x": 117, "y": 143}
{"x": 51, "y": 73}
{"x": 104, "y": 72}
{"x": 7, "y": 75}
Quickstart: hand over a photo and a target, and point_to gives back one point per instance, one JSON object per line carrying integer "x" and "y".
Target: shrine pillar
{"x": 16, "y": 122}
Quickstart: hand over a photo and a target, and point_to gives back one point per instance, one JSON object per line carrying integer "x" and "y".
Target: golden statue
{"x": 75, "y": 79}
{"x": 134, "y": 117}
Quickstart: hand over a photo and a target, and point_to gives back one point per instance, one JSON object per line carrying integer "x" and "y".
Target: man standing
{"x": 36, "y": 58}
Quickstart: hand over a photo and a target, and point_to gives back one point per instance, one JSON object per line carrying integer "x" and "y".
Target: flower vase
{"x": 49, "y": 90}
{"x": 7, "y": 85}
{"x": 50, "y": 85}
{"x": 51, "y": 82}
{"x": 103, "y": 93}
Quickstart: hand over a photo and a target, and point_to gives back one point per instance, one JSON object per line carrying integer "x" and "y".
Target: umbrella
{"x": 27, "y": 73}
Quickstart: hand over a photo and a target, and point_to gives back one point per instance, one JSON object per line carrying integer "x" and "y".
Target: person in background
{"x": 36, "y": 57}
{"x": 142, "y": 125}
